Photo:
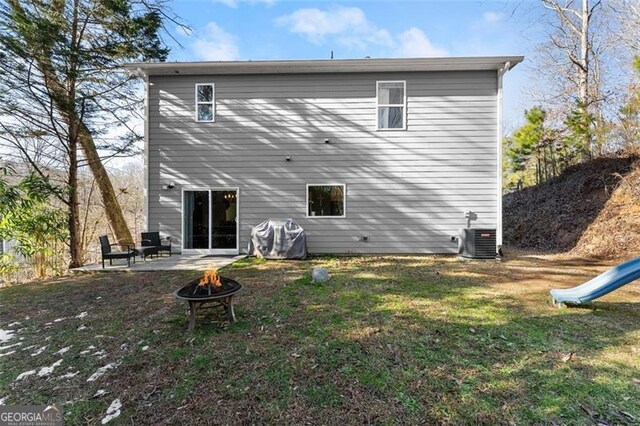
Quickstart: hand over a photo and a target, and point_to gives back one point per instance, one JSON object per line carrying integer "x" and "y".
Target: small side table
{"x": 146, "y": 251}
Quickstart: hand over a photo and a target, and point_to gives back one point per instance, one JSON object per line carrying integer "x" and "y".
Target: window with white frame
{"x": 326, "y": 200}
{"x": 391, "y": 105}
{"x": 205, "y": 102}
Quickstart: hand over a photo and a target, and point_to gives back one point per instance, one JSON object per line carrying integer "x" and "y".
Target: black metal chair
{"x": 148, "y": 246}
{"x": 107, "y": 253}
{"x": 152, "y": 239}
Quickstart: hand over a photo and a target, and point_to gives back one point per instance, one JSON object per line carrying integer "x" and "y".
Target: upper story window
{"x": 326, "y": 200}
{"x": 205, "y": 102}
{"x": 392, "y": 105}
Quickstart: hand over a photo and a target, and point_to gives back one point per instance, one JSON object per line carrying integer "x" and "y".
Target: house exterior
{"x": 367, "y": 155}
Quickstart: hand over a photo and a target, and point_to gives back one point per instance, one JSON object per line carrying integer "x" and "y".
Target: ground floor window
{"x": 326, "y": 200}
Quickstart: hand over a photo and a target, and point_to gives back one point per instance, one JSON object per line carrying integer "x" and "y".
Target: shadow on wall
{"x": 404, "y": 190}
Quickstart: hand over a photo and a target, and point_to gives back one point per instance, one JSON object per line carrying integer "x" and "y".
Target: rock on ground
{"x": 320, "y": 275}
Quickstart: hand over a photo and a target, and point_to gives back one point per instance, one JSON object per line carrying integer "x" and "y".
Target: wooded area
{"x": 586, "y": 89}
{"x": 66, "y": 104}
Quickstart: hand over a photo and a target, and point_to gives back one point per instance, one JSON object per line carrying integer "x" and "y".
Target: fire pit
{"x": 210, "y": 289}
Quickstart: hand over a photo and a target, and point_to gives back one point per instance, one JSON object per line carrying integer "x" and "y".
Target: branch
{"x": 35, "y": 166}
{"x": 552, "y": 5}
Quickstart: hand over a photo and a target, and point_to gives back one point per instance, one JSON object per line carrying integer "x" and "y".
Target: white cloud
{"x": 213, "y": 43}
{"x": 183, "y": 31}
{"x": 492, "y": 17}
{"x": 414, "y": 43}
{"x": 234, "y": 3}
{"x": 348, "y": 25}
{"x": 377, "y": 37}
{"x": 230, "y": 3}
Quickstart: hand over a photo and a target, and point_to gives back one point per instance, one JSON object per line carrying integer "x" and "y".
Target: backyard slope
{"x": 592, "y": 209}
{"x": 616, "y": 231}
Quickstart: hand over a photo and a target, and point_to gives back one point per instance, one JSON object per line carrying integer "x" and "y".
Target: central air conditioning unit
{"x": 477, "y": 243}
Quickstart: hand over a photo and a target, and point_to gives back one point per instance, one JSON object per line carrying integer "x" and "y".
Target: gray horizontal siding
{"x": 406, "y": 190}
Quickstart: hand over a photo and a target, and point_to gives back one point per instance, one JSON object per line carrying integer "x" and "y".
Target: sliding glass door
{"x": 196, "y": 220}
{"x": 210, "y": 220}
{"x": 224, "y": 227}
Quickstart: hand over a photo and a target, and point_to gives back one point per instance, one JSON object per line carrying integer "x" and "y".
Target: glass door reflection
{"x": 196, "y": 209}
{"x": 224, "y": 226}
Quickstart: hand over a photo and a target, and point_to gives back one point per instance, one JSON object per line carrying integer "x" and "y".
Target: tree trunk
{"x": 64, "y": 97}
{"x": 75, "y": 244}
{"x": 583, "y": 76}
{"x": 85, "y": 139}
{"x": 109, "y": 200}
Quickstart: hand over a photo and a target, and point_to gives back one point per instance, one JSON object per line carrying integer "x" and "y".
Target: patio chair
{"x": 107, "y": 253}
{"x": 152, "y": 239}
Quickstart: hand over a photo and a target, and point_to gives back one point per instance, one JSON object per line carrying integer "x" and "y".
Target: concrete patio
{"x": 176, "y": 262}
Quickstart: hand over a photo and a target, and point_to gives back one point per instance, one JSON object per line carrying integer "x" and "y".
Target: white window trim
{"x": 212, "y": 103}
{"x": 344, "y": 200}
{"x": 404, "y": 106}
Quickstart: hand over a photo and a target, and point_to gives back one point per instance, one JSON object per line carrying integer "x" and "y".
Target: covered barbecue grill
{"x": 278, "y": 239}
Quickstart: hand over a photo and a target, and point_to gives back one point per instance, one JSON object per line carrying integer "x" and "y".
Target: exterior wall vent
{"x": 477, "y": 243}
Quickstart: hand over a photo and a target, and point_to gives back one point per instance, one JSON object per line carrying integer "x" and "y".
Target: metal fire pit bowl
{"x": 199, "y": 296}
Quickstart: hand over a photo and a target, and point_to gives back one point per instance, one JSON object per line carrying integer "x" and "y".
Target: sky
{"x": 288, "y": 29}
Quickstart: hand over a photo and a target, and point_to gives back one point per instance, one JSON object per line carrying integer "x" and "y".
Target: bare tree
{"x": 573, "y": 57}
{"x": 584, "y": 66}
{"x": 628, "y": 13}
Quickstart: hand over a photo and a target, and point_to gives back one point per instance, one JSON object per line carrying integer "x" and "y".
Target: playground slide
{"x": 603, "y": 284}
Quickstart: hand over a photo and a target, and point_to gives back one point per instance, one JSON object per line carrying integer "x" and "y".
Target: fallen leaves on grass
{"x": 397, "y": 361}
{"x": 615, "y": 416}
{"x": 457, "y": 381}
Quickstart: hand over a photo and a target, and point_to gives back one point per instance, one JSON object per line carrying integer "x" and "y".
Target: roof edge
{"x": 325, "y": 65}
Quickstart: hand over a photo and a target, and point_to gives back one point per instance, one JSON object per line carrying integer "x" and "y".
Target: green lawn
{"x": 388, "y": 340}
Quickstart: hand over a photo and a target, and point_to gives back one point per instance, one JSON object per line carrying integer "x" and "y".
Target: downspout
{"x": 499, "y": 136}
{"x": 145, "y": 205}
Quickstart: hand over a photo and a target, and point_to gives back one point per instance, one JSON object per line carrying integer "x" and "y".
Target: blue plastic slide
{"x": 599, "y": 286}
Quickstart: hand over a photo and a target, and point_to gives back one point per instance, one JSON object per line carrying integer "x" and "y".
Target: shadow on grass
{"x": 388, "y": 340}
{"x": 446, "y": 349}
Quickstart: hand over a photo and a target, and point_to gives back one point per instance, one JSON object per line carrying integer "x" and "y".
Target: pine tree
{"x": 63, "y": 92}
{"x": 523, "y": 147}
{"x": 578, "y": 123}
